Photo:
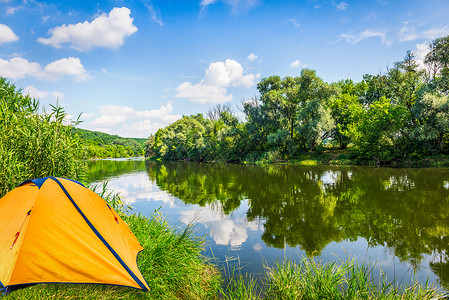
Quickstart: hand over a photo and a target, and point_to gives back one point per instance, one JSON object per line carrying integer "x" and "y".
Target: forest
{"x": 102, "y": 145}
{"x": 401, "y": 114}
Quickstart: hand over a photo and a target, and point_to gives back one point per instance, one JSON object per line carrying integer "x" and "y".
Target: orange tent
{"x": 54, "y": 230}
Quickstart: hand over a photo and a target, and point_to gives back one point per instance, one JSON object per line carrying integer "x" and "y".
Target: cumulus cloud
{"x": 252, "y": 57}
{"x": 222, "y": 229}
{"x": 106, "y": 31}
{"x": 354, "y": 39}
{"x": 64, "y": 67}
{"x": 127, "y": 121}
{"x": 213, "y": 88}
{"x": 7, "y": 35}
{"x": 35, "y": 93}
{"x": 420, "y": 53}
{"x": 295, "y": 64}
{"x": 18, "y": 68}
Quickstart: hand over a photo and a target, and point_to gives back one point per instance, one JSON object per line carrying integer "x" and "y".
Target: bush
{"x": 34, "y": 145}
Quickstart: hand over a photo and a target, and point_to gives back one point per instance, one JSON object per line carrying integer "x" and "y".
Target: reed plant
{"x": 312, "y": 279}
{"x": 34, "y": 144}
{"x": 236, "y": 284}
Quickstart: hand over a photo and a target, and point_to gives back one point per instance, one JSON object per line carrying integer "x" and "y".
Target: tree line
{"x": 402, "y": 114}
{"x": 102, "y": 145}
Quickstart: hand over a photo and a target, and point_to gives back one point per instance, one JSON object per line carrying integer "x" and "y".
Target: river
{"x": 396, "y": 219}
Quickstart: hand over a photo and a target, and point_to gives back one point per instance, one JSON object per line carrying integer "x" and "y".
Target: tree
{"x": 432, "y": 112}
{"x": 346, "y": 110}
{"x": 215, "y": 112}
{"x": 375, "y": 135}
{"x": 438, "y": 58}
{"x": 316, "y": 122}
{"x": 314, "y": 115}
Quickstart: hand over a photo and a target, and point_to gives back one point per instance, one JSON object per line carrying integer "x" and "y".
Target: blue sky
{"x": 131, "y": 67}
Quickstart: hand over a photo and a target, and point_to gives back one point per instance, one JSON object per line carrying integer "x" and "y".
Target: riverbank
{"x": 174, "y": 268}
{"x": 345, "y": 157}
{"x": 336, "y": 157}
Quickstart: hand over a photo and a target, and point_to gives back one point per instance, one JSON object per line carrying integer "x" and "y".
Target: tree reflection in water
{"x": 406, "y": 210}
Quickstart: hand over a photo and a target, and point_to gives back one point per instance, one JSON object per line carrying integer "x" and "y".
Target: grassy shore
{"x": 337, "y": 157}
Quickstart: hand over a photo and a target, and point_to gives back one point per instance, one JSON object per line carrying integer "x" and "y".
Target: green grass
{"x": 312, "y": 279}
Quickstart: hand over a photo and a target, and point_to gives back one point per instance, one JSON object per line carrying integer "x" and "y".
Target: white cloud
{"x": 7, "y": 35}
{"x": 18, "y": 68}
{"x": 409, "y": 33}
{"x": 213, "y": 88}
{"x": 237, "y": 5}
{"x": 295, "y": 64}
{"x": 293, "y": 21}
{"x": 257, "y": 247}
{"x": 153, "y": 14}
{"x": 64, "y": 67}
{"x": 57, "y": 95}
{"x": 106, "y": 31}
{"x": 354, "y": 39}
{"x": 127, "y": 121}
{"x": 222, "y": 229}
{"x": 342, "y": 6}
{"x": 33, "y": 92}
{"x": 207, "y": 2}
{"x": 200, "y": 93}
{"x": 109, "y": 120}
{"x": 252, "y": 57}
{"x": 420, "y": 53}
{"x": 12, "y": 10}
{"x": 434, "y": 33}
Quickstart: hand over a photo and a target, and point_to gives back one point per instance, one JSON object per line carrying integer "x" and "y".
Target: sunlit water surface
{"x": 394, "y": 219}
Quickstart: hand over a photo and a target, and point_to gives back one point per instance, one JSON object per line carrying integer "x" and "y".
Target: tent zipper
{"x": 18, "y": 232}
{"x": 115, "y": 217}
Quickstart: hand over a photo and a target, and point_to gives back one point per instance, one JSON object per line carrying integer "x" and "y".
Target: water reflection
{"x": 397, "y": 218}
{"x": 406, "y": 210}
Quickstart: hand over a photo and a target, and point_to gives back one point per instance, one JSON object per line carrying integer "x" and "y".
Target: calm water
{"x": 397, "y": 219}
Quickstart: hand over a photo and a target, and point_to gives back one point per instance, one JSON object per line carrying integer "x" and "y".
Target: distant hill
{"x": 102, "y": 145}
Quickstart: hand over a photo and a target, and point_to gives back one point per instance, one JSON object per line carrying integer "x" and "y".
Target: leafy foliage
{"x": 33, "y": 144}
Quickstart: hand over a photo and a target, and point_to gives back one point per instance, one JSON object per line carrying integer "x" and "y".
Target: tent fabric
{"x": 54, "y": 230}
